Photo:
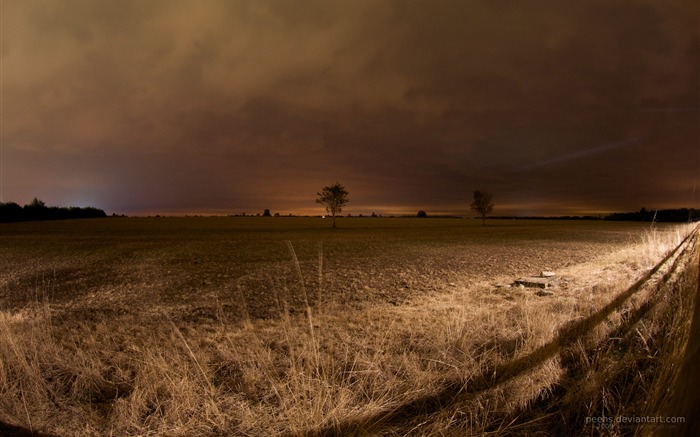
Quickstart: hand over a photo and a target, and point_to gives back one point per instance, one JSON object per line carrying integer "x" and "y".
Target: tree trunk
{"x": 334, "y": 220}
{"x": 483, "y": 220}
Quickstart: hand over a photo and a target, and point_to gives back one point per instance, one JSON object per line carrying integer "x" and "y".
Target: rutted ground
{"x": 176, "y": 268}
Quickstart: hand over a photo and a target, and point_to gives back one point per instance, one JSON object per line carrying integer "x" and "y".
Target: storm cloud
{"x": 227, "y": 107}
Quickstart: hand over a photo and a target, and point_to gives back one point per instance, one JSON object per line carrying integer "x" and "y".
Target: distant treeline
{"x": 662, "y": 215}
{"x": 532, "y": 217}
{"x": 37, "y": 210}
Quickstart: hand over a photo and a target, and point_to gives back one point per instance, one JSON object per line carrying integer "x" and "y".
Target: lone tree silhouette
{"x": 482, "y": 203}
{"x": 333, "y": 197}
{"x": 37, "y": 203}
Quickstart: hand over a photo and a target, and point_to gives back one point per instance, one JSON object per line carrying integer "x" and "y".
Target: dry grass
{"x": 146, "y": 373}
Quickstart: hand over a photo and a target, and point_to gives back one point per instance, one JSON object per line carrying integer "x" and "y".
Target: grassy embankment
{"x": 358, "y": 368}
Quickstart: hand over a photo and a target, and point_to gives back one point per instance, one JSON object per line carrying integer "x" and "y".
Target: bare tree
{"x": 333, "y": 197}
{"x": 37, "y": 203}
{"x": 482, "y": 203}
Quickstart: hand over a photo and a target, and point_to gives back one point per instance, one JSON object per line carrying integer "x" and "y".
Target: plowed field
{"x": 131, "y": 263}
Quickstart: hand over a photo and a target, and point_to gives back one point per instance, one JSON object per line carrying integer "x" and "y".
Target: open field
{"x": 178, "y": 261}
{"x": 259, "y": 326}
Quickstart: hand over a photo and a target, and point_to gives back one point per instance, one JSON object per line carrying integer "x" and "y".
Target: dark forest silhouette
{"x": 661, "y": 215}
{"x": 679, "y": 215}
{"x": 37, "y": 210}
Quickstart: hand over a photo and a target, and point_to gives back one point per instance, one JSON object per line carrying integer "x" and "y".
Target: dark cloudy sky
{"x": 235, "y": 106}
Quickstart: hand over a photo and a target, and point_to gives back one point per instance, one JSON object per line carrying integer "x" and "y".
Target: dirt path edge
{"x": 686, "y": 399}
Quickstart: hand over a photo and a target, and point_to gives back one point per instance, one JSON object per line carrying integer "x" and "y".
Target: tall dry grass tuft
{"x": 309, "y": 315}
{"x": 656, "y": 242}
